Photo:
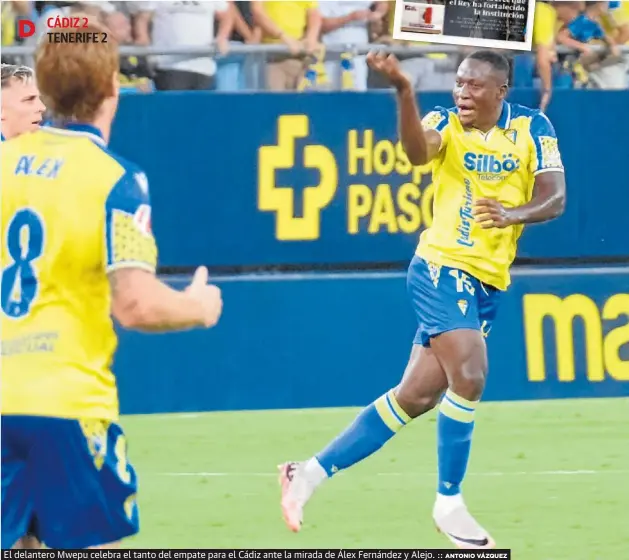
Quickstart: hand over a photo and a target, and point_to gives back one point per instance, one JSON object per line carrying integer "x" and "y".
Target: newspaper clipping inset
{"x": 506, "y": 24}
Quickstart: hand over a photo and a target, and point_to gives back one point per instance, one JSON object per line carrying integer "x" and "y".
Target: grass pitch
{"x": 549, "y": 479}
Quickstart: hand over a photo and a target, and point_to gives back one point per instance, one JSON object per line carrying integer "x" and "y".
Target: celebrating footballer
{"x": 496, "y": 167}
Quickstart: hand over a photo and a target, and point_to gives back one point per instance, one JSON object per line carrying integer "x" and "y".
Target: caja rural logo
{"x": 62, "y": 30}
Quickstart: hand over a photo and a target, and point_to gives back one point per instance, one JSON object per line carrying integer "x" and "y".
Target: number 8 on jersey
{"x": 24, "y": 241}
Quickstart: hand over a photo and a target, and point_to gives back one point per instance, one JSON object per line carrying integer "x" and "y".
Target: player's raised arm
{"x": 548, "y": 199}
{"x": 139, "y": 299}
{"x": 420, "y": 145}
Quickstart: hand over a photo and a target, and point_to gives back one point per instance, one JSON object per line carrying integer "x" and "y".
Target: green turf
{"x": 513, "y": 486}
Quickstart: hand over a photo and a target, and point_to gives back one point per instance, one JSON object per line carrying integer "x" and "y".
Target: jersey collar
{"x": 82, "y": 127}
{"x": 79, "y": 129}
{"x": 504, "y": 121}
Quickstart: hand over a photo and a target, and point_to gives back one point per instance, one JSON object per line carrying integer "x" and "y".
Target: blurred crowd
{"x": 319, "y": 41}
{"x": 579, "y": 26}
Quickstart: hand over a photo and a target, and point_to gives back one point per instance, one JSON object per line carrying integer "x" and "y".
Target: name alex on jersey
{"x": 47, "y": 168}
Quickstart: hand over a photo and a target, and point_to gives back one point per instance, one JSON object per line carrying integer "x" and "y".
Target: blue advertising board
{"x": 315, "y": 178}
{"x": 317, "y": 340}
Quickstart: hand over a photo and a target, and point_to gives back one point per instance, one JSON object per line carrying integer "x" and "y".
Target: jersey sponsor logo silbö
{"x": 490, "y": 164}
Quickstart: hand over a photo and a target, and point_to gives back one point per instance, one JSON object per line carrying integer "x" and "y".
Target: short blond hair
{"x": 76, "y": 78}
{"x": 16, "y": 72}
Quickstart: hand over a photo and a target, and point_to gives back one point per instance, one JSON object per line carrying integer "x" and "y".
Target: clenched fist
{"x": 389, "y": 65}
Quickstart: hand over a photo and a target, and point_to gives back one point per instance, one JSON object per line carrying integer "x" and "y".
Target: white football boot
{"x": 452, "y": 518}
{"x": 298, "y": 480}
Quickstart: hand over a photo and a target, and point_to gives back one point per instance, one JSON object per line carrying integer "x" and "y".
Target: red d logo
{"x": 25, "y": 28}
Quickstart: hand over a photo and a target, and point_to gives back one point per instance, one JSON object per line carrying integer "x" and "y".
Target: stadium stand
{"x": 327, "y": 52}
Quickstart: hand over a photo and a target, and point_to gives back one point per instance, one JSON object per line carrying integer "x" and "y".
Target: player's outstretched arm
{"x": 420, "y": 145}
{"x": 140, "y": 301}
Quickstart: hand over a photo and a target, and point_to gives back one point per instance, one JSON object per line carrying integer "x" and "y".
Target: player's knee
{"x": 469, "y": 383}
{"x": 416, "y": 405}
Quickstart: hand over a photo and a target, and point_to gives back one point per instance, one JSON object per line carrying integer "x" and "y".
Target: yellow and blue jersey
{"x": 71, "y": 213}
{"x": 501, "y": 164}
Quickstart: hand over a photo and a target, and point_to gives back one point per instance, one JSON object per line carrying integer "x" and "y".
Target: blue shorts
{"x": 445, "y": 299}
{"x": 68, "y": 481}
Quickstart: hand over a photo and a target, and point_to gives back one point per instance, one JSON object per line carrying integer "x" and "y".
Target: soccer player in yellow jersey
{"x": 22, "y": 111}
{"x": 22, "y": 108}
{"x": 496, "y": 167}
{"x": 77, "y": 249}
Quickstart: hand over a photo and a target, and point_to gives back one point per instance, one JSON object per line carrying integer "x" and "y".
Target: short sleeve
{"x": 544, "y": 26}
{"x": 128, "y": 234}
{"x": 575, "y": 27}
{"x": 438, "y": 120}
{"x": 546, "y": 155}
